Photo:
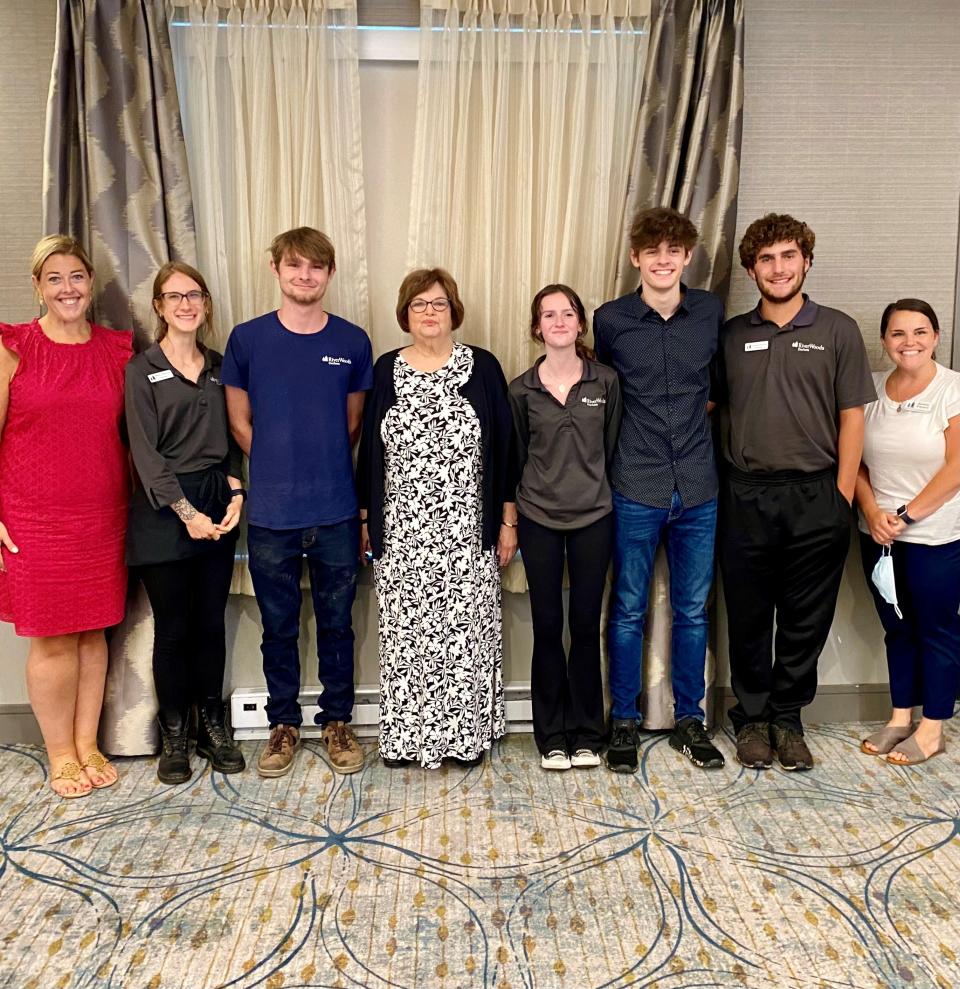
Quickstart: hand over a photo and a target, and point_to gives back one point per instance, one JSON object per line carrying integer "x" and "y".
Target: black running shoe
{"x": 691, "y": 738}
{"x": 622, "y": 750}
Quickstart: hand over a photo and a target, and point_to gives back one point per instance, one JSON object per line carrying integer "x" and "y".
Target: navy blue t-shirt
{"x": 301, "y": 468}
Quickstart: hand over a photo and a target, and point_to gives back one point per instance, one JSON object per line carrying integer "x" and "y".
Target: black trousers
{"x": 567, "y": 692}
{"x": 783, "y": 539}
{"x": 188, "y": 598}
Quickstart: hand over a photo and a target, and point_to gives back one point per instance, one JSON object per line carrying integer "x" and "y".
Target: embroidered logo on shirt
{"x": 335, "y": 360}
{"x": 593, "y": 402}
{"x": 803, "y": 348}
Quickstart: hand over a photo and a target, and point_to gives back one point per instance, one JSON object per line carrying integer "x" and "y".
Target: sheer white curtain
{"x": 527, "y": 117}
{"x": 270, "y": 101}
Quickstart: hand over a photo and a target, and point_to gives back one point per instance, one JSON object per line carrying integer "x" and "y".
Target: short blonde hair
{"x": 303, "y": 242}
{"x": 419, "y": 281}
{"x": 58, "y": 244}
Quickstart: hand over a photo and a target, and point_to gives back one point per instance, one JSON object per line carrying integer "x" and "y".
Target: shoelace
{"x": 275, "y": 744}
{"x": 622, "y": 736}
{"x": 340, "y": 732}
{"x": 217, "y": 733}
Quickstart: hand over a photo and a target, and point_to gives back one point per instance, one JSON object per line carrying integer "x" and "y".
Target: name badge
{"x": 757, "y": 345}
{"x": 914, "y": 406}
{"x": 159, "y": 376}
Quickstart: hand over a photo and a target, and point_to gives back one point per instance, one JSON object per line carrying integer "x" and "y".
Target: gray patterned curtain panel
{"x": 691, "y": 118}
{"x": 115, "y": 168}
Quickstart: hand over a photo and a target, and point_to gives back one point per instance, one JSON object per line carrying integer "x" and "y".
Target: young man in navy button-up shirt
{"x": 661, "y": 339}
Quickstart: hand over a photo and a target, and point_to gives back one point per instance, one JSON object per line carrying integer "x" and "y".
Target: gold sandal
{"x": 72, "y": 772}
{"x": 98, "y": 762}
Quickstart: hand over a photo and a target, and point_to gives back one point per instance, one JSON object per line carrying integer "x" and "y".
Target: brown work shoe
{"x": 791, "y": 749}
{"x": 277, "y": 758}
{"x": 340, "y": 748}
{"x": 753, "y": 746}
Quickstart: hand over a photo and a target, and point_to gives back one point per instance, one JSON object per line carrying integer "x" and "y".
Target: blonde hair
{"x": 306, "y": 243}
{"x": 181, "y": 268}
{"x": 58, "y": 244}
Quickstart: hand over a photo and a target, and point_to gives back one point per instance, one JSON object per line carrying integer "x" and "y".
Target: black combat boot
{"x": 174, "y": 764}
{"x": 214, "y": 741}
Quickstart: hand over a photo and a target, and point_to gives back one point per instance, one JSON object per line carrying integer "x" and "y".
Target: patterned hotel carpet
{"x": 500, "y": 877}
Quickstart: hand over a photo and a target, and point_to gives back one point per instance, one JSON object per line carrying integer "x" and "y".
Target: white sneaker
{"x": 585, "y": 759}
{"x": 555, "y": 759}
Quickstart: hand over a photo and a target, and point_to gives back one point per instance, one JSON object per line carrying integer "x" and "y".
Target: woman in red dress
{"x": 64, "y": 489}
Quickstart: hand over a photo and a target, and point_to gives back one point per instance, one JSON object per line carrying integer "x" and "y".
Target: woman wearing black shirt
{"x": 183, "y": 518}
{"x": 566, "y": 410}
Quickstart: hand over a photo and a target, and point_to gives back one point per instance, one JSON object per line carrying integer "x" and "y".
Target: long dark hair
{"x": 583, "y": 350}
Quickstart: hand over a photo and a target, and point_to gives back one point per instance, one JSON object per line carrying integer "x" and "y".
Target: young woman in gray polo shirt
{"x": 183, "y": 518}
{"x": 566, "y": 410}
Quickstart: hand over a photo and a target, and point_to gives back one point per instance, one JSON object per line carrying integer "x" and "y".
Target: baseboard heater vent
{"x": 249, "y": 715}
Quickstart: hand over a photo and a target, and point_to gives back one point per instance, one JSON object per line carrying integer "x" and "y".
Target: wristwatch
{"x": 903, "y": 516}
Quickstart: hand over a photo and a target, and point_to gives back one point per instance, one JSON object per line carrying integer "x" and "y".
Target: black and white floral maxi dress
{"x": 441, "y": 678}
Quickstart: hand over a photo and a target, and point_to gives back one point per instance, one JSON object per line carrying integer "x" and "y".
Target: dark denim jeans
{"x": 276, "y": 563}
{"x": 689, "y": 535}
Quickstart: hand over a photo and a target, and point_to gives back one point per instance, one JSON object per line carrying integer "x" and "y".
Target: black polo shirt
{"x": 564, "y": 449}
{"x": 785, "y": 386}
{"x": 176, "y": 426}
{"x": 664, "y": 368}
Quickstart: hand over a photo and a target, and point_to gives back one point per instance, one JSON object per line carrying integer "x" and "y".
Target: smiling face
{"x": 559, "y": 324}
{"x": 430, "y": 325}
{"x": 184, "y": 315}
{"x": 661, "y": 265}
{"x": 65, "y": 287}
{"x": 301, "y": 281}
{"x": 779, "y": 271}
{"x": 910, "y": 339}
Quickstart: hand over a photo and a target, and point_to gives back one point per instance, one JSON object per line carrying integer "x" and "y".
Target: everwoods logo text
{"x": 804, "y": 347}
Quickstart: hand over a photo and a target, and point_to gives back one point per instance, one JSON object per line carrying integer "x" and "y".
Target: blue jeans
{"x": 923, "y": 647}
{"x": 689, "y": 534}
{"x": 276, "y": 563}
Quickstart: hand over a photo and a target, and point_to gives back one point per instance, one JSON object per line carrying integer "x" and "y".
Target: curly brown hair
{"x": 419, "y": 281}
{"x": 651, "y": 227}
{"x": 775, "y": 228}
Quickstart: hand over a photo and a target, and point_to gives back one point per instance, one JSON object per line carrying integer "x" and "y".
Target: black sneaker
{"x": 622, "y": 750}
{"x": 691, "y": 738}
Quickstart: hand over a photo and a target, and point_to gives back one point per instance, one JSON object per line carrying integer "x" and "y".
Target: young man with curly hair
{"x": 794, "y": 378}
{"x": 661, "y": 340}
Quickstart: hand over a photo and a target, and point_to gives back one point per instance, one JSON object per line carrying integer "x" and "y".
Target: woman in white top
{"x": 907, "y": 491}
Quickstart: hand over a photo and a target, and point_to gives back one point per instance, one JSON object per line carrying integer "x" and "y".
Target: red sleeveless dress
{"x": 64, "y": 482}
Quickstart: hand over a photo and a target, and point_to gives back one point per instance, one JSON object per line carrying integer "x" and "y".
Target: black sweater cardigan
{"x": 486, "y": 391}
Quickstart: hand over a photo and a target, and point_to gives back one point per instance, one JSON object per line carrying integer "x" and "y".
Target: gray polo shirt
{"x": 176, "y": 426}
{"x": 784, "y": 387}
{"x": 564, "y": 450}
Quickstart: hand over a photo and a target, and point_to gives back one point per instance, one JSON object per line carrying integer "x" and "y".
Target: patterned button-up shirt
{"x": 664, "y": 366}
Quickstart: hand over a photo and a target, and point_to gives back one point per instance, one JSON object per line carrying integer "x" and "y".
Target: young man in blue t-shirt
{"x": 295, "y": 380}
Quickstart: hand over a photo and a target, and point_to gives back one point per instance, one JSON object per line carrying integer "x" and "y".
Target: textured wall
{"x": 26, "y": 51}
{"x": 852, "y": 123}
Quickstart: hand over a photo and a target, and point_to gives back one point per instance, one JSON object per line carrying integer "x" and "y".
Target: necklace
{"x": 562, "y": 385}
{"x": 913, "y": 393}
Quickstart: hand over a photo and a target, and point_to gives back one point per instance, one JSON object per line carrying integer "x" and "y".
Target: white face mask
{"x": 884, "y": 581}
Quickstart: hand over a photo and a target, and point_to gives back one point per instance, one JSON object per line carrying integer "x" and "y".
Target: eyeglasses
{"x": 437, "y": 305}
{"x": 175, "y": 298}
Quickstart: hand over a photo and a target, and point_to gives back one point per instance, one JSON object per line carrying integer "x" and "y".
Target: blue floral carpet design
{"x": 500, "y": 876}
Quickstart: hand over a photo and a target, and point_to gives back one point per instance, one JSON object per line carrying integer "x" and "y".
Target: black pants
{"x": 567, "y": 693}
{"x": 783, "y": 539}
{"x": 188, "y": 598}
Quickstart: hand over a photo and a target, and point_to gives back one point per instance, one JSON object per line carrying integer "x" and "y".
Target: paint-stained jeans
{"x": 276, "y": 564}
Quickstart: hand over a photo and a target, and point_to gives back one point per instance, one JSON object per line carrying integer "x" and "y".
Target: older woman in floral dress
{"x": 436, "y": 483}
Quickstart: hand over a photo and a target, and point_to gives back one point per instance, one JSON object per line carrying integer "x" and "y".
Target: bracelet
{"x": 509, "y": 525}
{"x": 238, "y": 491}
